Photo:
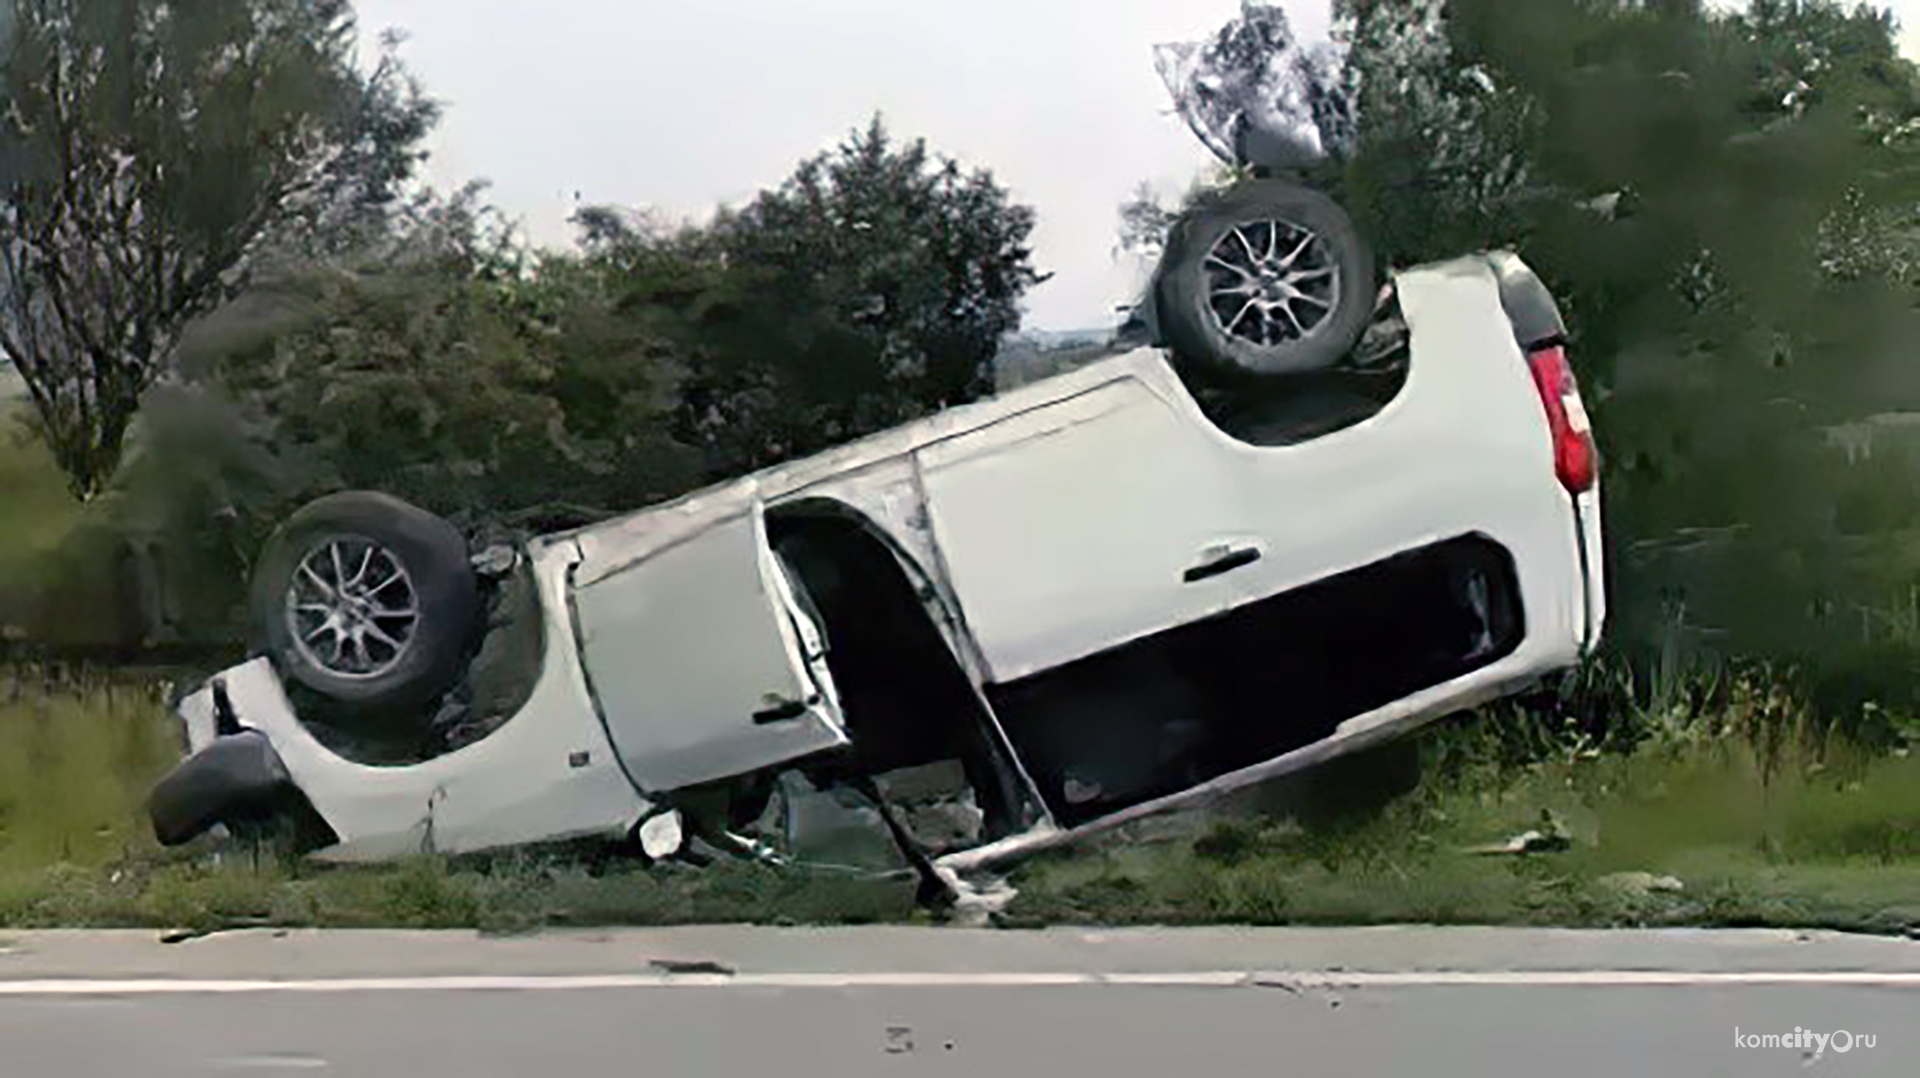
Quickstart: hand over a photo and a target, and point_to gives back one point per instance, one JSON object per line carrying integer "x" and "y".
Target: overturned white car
{"x": 1197, "y": 563}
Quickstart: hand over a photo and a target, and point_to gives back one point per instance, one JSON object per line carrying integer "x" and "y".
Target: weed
{"x": 76, "y": 761}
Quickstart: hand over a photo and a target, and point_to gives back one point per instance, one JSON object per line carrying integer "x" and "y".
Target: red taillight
{"x": 1575, "y": 457}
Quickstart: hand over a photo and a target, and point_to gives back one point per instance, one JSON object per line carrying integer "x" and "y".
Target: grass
{"x": 1835, "y": 847}
{"x": 1829, "y": 838}
{"x": 505, "y": 896}
{"x": 75, "y": 763}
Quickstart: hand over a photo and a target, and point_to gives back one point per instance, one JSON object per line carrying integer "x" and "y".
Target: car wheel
{"x": 367, "y": 601}
{"x": 1268, "y": 278}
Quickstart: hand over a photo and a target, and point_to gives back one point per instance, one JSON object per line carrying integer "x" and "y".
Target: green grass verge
{"x": 1832, "y": 844}
{"x": 1833, "y": 849}
{"x": 75, "y": 764}
{"x": 498, "y": 896}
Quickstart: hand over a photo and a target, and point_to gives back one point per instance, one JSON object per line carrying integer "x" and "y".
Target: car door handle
{"x": 784, "y": 711}
{"x": 1223, "y": 563}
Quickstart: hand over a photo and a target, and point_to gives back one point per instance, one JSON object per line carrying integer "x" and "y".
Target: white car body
{"x": 1055, "y": 522}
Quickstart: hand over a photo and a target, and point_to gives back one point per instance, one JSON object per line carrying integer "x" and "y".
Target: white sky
{"x": 682, "y": 104}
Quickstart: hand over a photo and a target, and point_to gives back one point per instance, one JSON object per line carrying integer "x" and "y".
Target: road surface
{"x": 731, "y": 1001}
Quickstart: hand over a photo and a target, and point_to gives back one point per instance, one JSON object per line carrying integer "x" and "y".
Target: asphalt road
{"x": 793, "y": 1003}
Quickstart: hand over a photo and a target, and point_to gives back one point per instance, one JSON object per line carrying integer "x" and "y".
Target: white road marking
{"x": 1209, "y": 979}
{"x": 1600, "y": 978}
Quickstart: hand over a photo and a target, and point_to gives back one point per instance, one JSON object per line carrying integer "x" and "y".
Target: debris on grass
{"x": 1640, "y": 885}
{"x": 1550, "y": 837}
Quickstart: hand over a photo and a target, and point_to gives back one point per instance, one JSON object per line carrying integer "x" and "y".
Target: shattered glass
{"x": 1256, "y": 95}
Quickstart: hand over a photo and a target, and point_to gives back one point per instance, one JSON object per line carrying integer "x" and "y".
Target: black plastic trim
{"x": 235, "y": 778}
{"x": 1528, "y": 302}
{"x": 1222, "y": 565}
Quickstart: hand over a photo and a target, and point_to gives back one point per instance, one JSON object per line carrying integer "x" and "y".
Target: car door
{"x": 1083, "y": 524}
{"x": 702, "y": 662}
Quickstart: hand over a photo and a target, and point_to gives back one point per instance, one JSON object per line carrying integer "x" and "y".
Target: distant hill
{"x": 1072, "y": 338}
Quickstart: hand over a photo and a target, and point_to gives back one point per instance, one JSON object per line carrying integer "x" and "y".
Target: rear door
{"x": 702, "y": 662}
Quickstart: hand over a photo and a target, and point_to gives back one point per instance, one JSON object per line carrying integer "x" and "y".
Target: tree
{"x": 442, "y": 361}
{"x": 150, "y": 154}
{"x": 1725, "y": 205}
{"x": 1146, "y": 220}
{"x": 452, "y": 367}
{"x": 874, "y": 286}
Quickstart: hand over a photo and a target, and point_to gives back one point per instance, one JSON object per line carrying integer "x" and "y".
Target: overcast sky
{"x": 682, "y": 104}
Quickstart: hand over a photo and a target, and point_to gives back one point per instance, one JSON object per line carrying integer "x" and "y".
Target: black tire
{"x": 1261, "y": 222}
{"x": 439, "y": 588}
